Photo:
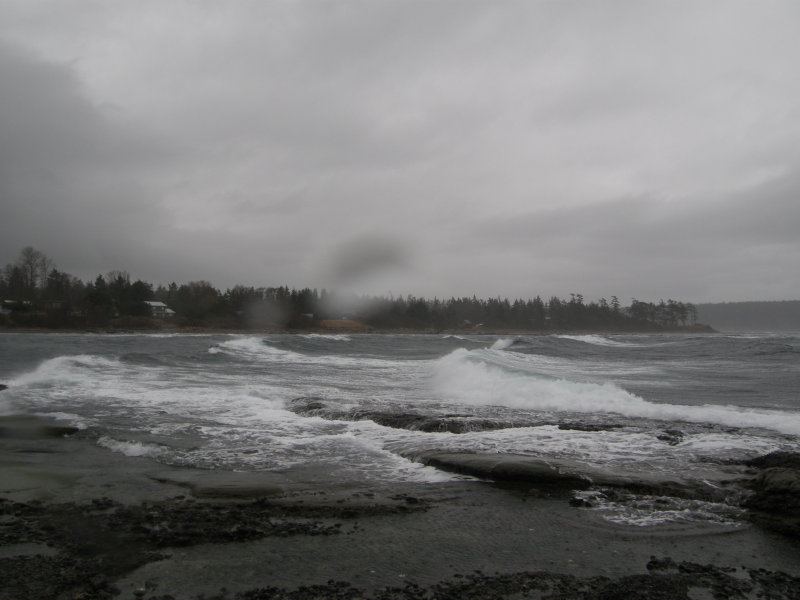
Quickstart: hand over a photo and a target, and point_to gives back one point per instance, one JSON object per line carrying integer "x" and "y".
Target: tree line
{"x": 35, "y": 293}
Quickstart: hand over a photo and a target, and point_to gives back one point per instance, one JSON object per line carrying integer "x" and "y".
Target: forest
{"x": 34, "y": 293}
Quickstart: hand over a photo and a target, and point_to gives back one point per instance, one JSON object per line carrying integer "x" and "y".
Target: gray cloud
{"x": 643, "y": 149}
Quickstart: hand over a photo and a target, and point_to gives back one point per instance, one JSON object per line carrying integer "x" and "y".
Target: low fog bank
{"x": 751, "y": 316}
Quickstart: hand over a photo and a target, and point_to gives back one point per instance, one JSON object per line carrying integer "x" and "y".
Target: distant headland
{"x": 35, "y": 295}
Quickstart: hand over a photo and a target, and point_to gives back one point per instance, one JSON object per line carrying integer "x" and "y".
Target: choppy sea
{"x": 358, "y": 409}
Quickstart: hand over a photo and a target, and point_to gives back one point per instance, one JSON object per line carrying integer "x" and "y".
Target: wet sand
{"x": 81, "y": 521}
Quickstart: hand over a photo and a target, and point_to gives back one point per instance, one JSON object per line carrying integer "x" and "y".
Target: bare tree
{"x": 35, "y": 266}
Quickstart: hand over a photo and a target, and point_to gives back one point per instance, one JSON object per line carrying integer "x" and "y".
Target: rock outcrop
{"x": 572, "y": 475}
{"x": 775, "y": 502}
{"x": 451, "y": 423}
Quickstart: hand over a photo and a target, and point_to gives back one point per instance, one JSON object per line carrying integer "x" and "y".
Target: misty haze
{"x": 399, "y": 300}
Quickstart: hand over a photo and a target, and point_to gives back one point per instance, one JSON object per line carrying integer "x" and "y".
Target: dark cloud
{"x": 640, "y": 149}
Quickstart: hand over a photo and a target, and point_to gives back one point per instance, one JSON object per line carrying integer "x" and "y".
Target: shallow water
{"x": 223, "y": 401}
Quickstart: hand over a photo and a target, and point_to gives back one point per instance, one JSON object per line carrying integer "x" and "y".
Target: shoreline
{"x": 80, "y": 519}
{"x": 703, "y": 329}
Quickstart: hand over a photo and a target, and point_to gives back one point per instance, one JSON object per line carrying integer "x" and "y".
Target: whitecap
{"x": 65, "y": 369}
{"x": 461, "y": 377}
{"x": 502, "y": 343}
{"x": 131, "y": 448}
{"x": 597, "y": 340}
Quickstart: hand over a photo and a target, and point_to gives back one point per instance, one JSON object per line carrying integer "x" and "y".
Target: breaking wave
{"x": 596, "y": 340}
{"x": 65, "y": 369}
{"x": 252, "y": 347}
{"x": 259, "y": 349}
{"x": 336, "y": 337}
{"x": 503, "y": 343}
{"x": 469, "y": 377}
{"x": 131, "y": 448}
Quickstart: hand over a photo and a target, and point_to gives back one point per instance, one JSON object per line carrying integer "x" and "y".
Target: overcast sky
{"x": 647, "y": 149}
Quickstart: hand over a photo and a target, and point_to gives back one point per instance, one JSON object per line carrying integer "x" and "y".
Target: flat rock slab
{"x": 223, "y": 484}
{"x": 25, "y": 427}
{"x": 784, "y": 460}
{"x": 574, "y": 475}
{"x": 506, "y": 467}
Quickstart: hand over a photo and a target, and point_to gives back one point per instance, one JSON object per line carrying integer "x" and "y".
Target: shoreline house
{"x": 159, "y": 310}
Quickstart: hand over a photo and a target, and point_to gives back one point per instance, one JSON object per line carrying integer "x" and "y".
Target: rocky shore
{"x": 775, "y": 502}
{"x": 79, "y": 521}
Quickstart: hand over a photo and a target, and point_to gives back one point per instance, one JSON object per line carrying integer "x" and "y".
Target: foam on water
{"x": 502, "y": 343}
{"x": 597, "y": 340}
{"x": 64, "y": 369}
{"x": 131, "y": 448}
{"x": 461, "y": 377}
{"x": 621, "y": 449}
{"x": 70, "y": 418}
{"x": 253, "y": 348}
{"x": 649, "y": 511}
{"x": 259, "y": 349}
{"x": 230, "y": 406}
{"x": 558, "y": 367}
{"x": 335, "y": 337}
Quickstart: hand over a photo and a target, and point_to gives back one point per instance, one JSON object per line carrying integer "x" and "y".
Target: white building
{"x": 159, "y": 310}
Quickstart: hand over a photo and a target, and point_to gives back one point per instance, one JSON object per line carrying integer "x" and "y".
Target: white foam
{"x": 650, "y": 511}
{"x": 70, "y": 418}
{"x": 253, "y": 347}
{"x": 259, "y": 349}
{"x": 131, "y": 448}
{"x": 597, "y": 340}
{"x": 237, "y": 406}
{"x": 64, "y": 369}
{"x": 460, "y": 378}
{"x": 336, "y": 337}
{"x": 502, "y": 343}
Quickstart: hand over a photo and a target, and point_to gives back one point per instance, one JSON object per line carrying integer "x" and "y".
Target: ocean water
{"x": 305, "y": 404}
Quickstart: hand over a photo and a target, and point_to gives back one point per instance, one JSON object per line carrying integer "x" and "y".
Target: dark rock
{"x": 317, "y": 407}
{"x": 580, "y": 502}
{"x": 36, "y": 577}
{"x": 566, "y": 474}
{"x": 651, "y": 587}
{"x": 3, "y": 387}
{"x": 429, "y": 424}
{"x": 775, "y": 502}
{"x": 672, "y": 436}
{"x": 582, "y": 426}
{"x": 307, "y": 404}
{"x": 785, "y": 460}
{"x": 661, "y": 564}
{"x": 25, "y": 427}
{"x": 682, "y": 582}
{"x": 506, "y": 467}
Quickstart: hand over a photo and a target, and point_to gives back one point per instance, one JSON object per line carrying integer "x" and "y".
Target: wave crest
{"x": 131, "y": 448}
{"x": 503, "y": 343}
{"x": 252, "y": 347}
{"x": 597, "y": 340}
{"x": 65, "y": 369}
{"x": 467, "y": 377}
{"x": 336, "y": 337}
